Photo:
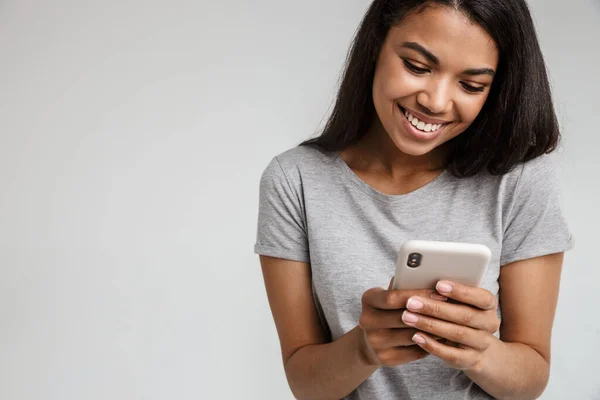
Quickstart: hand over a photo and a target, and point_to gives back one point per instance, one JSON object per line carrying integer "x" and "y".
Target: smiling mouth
{"x": 421, "y": 125}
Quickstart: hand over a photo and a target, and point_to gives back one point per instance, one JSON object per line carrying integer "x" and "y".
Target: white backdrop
{"x": 132, "y": 138}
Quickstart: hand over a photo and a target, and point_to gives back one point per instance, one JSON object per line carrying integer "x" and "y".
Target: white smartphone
{"x": 421, "y": 264}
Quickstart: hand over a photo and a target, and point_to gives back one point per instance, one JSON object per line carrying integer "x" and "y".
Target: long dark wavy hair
{"x": 517, "y": 122}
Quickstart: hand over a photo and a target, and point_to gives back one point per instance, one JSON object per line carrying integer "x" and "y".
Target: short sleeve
{"x": 535, "y": 224}
{"x": 281, "y": 230}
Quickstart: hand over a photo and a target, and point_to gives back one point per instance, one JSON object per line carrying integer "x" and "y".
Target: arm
{"x": 314, "y": 369}
{"x": 518, "y": 366}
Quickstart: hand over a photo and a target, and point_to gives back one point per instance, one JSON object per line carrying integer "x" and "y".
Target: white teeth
{"x": 420, "y": 124}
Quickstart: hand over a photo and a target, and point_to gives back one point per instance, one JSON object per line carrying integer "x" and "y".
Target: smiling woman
{"x": 437, "y": 66}
{"x": 440, "y": 132}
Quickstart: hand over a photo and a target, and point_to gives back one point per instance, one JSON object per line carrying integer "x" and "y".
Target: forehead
{"x": 449, "y": 34}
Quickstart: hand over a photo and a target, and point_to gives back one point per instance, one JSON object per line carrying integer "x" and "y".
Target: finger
{"x": 458, "y": 357}
{"x": 450, "y": 343}
{"x": 478, "y": 297}
{"x": 391, "y": 285}
{"x": 382, "y": 319}
{"x": 438, "y": 297}
{"x": 458, "y": 313}
{"x": 377, "y": 318}
{"x": 387, "y": 338}
{"x": 391, "y": 299}
{"x": 401, "y": 355}
{"x": 457, "y": 333}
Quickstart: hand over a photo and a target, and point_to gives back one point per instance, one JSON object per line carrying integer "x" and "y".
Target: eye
{"x": 471, "y": 88}
{"x": 414, "y": 68}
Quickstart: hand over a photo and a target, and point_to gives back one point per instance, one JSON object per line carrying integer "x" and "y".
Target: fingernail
{"x": 414, "y": 304}
{"x": 409, "y": 318}
{"x": 443, "y": 287}
{"x": 439, "y": 297}
{"x": 418, "y": 339}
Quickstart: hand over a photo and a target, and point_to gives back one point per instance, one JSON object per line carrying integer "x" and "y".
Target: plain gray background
{"x": 132, "y": 138}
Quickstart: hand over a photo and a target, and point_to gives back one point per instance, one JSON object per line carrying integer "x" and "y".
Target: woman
{"x": 440, "y": 131}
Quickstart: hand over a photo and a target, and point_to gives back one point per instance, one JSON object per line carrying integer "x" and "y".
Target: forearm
{"x": 511, "y": 371}
{"x": 328, "y": 371}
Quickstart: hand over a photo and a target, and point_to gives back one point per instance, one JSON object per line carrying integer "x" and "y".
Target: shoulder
{"x": 537, "y": 175}
{"x": 531, "y": 182}
{"x": 539, "y": 171}
{"x": 532, "y": 187}
{"x": 544, "y": 165}
{"x": 298, "y": 162}
{"x": 304, "y": 157}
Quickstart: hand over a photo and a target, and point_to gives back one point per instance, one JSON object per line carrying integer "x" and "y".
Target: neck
{"x": 378, "y": 147}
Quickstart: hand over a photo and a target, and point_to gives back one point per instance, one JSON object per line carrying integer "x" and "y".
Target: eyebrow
{"x": 434, "y": 60}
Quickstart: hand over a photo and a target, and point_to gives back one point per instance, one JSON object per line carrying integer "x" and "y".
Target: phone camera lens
{"x": 414, "y": 260}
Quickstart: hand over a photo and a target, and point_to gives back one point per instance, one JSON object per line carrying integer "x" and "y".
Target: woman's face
{"x": 432, "y": 78}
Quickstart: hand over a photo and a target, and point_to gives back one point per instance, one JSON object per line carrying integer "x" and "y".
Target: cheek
{"x": 393, "y": 82}
{"x": 469, "y": 108}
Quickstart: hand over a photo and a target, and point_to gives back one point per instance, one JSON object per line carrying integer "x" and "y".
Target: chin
{"x": 411, "y": 147}
{"x": 415, "y": 151}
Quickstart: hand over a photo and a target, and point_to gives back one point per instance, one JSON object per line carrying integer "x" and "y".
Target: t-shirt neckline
{"x": 364, "y": 187}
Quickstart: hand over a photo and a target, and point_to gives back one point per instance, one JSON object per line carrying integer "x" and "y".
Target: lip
{"x": 418, "y": 134}
{"x": 424, "y": 118}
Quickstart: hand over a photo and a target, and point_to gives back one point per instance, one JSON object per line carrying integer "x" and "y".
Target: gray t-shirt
{"x": 314, "y": 209}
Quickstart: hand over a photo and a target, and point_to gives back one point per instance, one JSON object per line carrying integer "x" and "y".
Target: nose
{"x": 436, "y": 97}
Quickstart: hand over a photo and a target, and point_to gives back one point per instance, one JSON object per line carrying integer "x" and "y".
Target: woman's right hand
{"x": 386, "y": 340}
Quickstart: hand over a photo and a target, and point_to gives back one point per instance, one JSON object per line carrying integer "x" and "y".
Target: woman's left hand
{"x": 470, "y": 324}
